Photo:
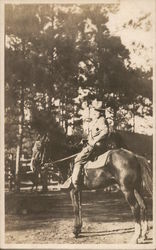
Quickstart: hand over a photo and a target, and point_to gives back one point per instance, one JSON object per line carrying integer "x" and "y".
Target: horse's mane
{"x": 116, "y": 138}
{"x": 113, "y": 140}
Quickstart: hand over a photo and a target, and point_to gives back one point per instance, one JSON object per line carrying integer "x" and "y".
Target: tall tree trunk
{"x": 115, "y": 109}
{"x": 133, "y": 118}
{"x": 20, "y": 137}
{"x": 61, "y": 106}
{"x": 114, "y": 120}
{"x": 66, "y": 119}
{"x": 133, "y": 123}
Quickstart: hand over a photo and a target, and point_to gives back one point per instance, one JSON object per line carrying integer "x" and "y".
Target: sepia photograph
{"x": 78, "y": 152}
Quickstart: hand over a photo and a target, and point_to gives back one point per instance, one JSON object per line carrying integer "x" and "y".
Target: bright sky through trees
{"x": 134, "y": 24}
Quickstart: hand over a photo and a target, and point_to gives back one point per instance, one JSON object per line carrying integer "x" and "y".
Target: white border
{"x": 1, "y": 123}
{"x": 154, "y": 124}
{"x": 80, "y": 246}
{"x": 60, "y": 1}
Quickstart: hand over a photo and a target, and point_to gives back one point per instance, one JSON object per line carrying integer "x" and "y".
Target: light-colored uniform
{"x": 97, "y": 131}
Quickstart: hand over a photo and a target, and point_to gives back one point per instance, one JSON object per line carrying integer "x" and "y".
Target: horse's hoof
{"x": 76, "y": 234}
{"x": 144, "y": 236}
{"x": 142, "y": 239}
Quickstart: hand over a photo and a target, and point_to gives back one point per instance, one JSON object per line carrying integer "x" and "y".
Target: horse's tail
{"x": 146, "y": 174}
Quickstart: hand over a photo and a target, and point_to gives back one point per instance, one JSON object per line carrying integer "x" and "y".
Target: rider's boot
{"x": 67, "y": 184}
{"x": 73, "y": 181}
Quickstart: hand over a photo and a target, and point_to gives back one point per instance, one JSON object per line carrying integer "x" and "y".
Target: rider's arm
{"x": 101, "y": 135}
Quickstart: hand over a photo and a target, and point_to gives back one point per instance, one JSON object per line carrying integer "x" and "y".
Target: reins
{"x": 64, "y": 159}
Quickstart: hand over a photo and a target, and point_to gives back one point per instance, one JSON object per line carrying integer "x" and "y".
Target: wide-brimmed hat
{"x": 101, "y": 110}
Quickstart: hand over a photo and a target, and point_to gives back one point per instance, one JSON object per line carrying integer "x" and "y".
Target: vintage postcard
{"x": 77, "y": 124}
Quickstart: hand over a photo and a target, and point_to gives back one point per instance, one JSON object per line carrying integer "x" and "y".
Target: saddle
{"x": 98, "y": 163}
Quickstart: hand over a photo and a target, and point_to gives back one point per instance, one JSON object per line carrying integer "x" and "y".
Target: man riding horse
{"x": 98, "y": 130}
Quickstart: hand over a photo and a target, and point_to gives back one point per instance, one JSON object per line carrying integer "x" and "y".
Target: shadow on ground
{"x": 33, "y": 211}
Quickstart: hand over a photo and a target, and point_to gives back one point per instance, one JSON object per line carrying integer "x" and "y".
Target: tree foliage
{"x": 52, "y": 51}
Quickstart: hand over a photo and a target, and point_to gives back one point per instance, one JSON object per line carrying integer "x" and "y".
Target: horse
{"x": 130, "y": 172}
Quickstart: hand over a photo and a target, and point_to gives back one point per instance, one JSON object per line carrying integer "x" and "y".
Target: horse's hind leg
{"x": 143, "y": 213}
{"x": 76, "y": 202}
{"x": 131, "y": 199}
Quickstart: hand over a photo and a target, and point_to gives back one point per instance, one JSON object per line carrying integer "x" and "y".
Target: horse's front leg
{"x": 76, "y": 202}
{"x": 80, "y": 209}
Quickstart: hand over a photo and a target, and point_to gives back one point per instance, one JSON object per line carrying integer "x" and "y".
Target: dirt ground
{"x": 48, "y": 219}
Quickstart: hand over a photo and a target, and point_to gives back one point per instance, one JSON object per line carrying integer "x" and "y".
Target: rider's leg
{"x": 76, "y": 174}
{"x": 80, "y": 161}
